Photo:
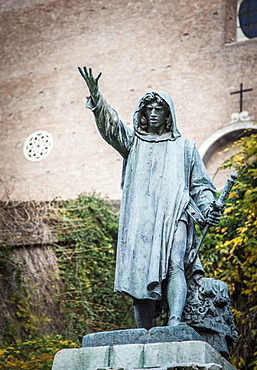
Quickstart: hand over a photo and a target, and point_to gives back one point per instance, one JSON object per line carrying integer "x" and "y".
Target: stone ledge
{"x": 81, "y": 358}
{"x": 187, "y": 355}
{"x": 174, "y": 366}
{"x": 161, "y": 334}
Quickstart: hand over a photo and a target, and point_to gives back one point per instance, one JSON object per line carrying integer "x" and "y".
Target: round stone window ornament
{"x": 38, "y": 145}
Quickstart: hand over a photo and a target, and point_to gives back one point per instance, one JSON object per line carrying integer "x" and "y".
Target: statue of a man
{"x": 162, "y": 174}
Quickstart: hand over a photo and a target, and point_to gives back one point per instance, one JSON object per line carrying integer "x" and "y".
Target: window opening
{"x": 247, "y": 19}
{"x": 38, "y": 145}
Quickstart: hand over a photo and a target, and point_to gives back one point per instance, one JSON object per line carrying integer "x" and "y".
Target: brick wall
{"x": 182, "y": 47}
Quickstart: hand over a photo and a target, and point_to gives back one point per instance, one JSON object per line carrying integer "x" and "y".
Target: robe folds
{"x": 160, "y": 175}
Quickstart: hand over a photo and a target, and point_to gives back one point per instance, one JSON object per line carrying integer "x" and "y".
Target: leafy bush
{"x": 86, "y": 255}
{"x": 35, "y": 354}
{"x": 230, "y": 251}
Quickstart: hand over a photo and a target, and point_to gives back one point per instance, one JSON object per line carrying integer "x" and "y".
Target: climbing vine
{"x": 85, "y": 249}
{"x": 33, "y": 354}
{"x": 230, "y": 251}
{"x": 86, "y": 255}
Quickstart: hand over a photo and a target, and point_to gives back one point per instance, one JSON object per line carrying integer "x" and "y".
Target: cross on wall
{"x": 241, "y": 91}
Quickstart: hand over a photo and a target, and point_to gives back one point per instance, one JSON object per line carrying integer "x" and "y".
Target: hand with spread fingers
{"x": 91, "y": 81}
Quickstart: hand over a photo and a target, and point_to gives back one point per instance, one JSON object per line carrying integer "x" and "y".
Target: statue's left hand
{"x": 213, "y": 217}
{"x": 91, "y": 81}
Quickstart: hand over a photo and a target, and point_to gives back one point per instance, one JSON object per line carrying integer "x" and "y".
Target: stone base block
{"x": 187, "y": 355}
{"x": 157, "y": 334}
{"x": 82, "y": 358}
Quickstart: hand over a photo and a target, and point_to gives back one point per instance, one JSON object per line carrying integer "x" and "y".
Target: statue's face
{"x": 156, "y": 115}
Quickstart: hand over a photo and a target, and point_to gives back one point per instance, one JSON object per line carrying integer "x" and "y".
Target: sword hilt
{"x": 220, "y": 203}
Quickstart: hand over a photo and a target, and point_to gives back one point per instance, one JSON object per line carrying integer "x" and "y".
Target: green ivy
{"x": 229, "y": 252}
{"x": 19, "y": 321}
{"x": 86, "y": 255}
{"x": 34, "y": 354}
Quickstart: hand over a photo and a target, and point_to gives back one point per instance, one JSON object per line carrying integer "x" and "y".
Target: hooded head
{"x": 162, "y": 98}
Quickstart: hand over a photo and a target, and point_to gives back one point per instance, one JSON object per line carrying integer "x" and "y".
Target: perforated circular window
{"x": 38, "y": 145}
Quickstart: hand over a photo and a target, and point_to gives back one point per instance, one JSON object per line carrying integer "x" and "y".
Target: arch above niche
{"x": 212, "y": 149}
{"x": 229, "y": 133}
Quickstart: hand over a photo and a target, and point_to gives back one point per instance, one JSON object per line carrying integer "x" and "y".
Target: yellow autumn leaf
{"x": 242, "y": 229}
{"x": 233, "y": 194}
{"x": 228, "y": 210}
{"x": 228, "y": 242}
{"x": 248, "y": 191}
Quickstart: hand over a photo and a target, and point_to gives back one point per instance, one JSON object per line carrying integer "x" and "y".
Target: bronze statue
{"x": 166, "y": 189}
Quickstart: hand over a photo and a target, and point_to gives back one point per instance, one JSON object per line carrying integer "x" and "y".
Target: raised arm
{"x": 111, "y": 128}
{"x": 92, "y": 82}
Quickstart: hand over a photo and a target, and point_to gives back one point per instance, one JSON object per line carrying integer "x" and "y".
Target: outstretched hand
{"x": 91, "y": 81}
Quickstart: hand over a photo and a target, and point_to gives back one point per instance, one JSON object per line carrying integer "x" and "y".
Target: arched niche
{"x": 212, "y": 149}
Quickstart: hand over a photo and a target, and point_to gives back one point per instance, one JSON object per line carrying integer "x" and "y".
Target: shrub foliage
{"x": 86, "y": 255}
{"x": 230, "y": 251}
{"x": 34, "y": 354}
{"x": 87, "y": 230}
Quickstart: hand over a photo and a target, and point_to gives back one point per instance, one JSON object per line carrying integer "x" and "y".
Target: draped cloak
{"x": 160, "y": 174}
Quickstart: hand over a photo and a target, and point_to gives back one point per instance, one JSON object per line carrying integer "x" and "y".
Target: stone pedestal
{"x": 158, "y": 334}
{"x": 155, "y": 350}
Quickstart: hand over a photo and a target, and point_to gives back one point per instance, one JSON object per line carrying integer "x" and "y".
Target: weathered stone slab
{"x": 175, "y": 366}
{"x": 156, "y": 354}
{"x": 92, "y": 357}
{"x": 127, "y": 356}
{"x": 81, "y": 358}
{"x": 166, "y": 354}
{"x": 141, "y": 336}
{"x": 177, "y": 333}
{"x": 116, "y": 337}
{"x": 187, "y": 355}
{"x": 67, "y": 359}
{"x": 194, "y": 366}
